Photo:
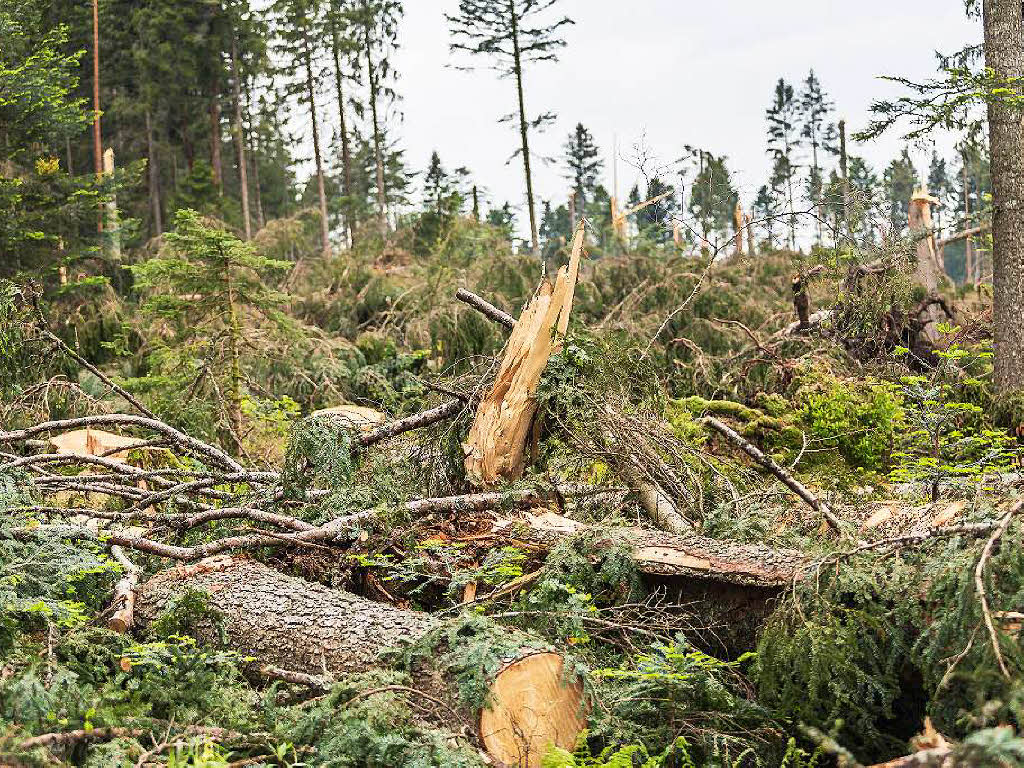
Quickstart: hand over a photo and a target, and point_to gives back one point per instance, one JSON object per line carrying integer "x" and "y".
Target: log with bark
{"x": 287, "y": 623}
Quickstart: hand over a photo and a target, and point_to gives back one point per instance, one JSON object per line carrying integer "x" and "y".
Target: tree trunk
{"x": 325, "y": 245}
{"x": 928, "y": 273}
{"x": 286, "y": 622}
{"x": 1004, "y": 55}
{"x": 378, "y": 150}
{"x": 969, "y": 244}
{"x": 346, "y": 155}
{"x": 154, "y": 179}
{"x": 260, "y": 218}
{"x": 737, "y": 217}
{"x": 243, "y": 173}
{"x": 215, "y": 161}
{"x": 518, "y": 69}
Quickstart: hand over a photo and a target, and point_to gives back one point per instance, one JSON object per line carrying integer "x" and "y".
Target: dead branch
{"x": 124, "y": 593}
{"x": 485, "y": 308}
{"x": 772, "y": 466}
{"x": 979, "y": 584}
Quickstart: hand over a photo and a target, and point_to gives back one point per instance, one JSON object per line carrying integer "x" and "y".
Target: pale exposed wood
{"x": 495, "y": 446}
{"x": 357, "y": 417}
{"x": 532, "y": 709}
{"x": 123, "y": 617}
{"x": 737, "y": 218}
{"x": 929, "y": 273}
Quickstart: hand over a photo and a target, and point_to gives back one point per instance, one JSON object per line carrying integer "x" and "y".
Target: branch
{"x": 772, "y": 466}
{"x": 485, "y": 308}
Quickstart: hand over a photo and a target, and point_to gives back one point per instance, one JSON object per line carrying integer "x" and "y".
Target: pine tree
{"x": 783, "y": 117}
{"x": 297, "y": 22}
{"x": 376, "y": 22}
{"x": 582, "y": 163}
{"x": 513, "y": 34}
{"x": 815, "y": 107}
{"x": 712, "y": 197}
{"x": 344, "y": 55}
{"x": 202, "y": 282}
{"x": 900, "y": 180}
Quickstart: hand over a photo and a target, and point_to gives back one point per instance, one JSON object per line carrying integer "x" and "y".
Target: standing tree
{"x": 582, "y": 163}
{"x": 783, "y": 140}
{"x": 712, "y": 197}
{"x": 1004, "y": 59}
{"x": 815, "y": 108}
{"x": 510, "y": 32}
{"x": 940, "y": 186}
{"x": 297, "y": 20}
{"x": 900, "y": 180}
{"x": 376, "y": 22}
{"x": 343, "y": 47}
{"x": 767, "y": 212}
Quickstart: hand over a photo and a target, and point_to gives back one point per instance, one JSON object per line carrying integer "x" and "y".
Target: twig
{"x": 979, "y": 584}
{"x": 316, "y": 682}
{"x": 446, "y": 410}
{"x": 772, "y": 466}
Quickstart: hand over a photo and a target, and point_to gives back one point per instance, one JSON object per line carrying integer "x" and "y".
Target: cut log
{"x": 664, "y": 554}
{"x": 286, "y": 622}
{"x": 495, "y": 448}
{"x": 356, "y": 417}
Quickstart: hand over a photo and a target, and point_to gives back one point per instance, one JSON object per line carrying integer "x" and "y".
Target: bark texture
{"x": 1004, "y": 55}
{"x": 285, "y": 621}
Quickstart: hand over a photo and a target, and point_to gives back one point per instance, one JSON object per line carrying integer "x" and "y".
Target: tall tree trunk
{"x": 243, "y": 173}
{"x": 969, "y": 242}
{"x": 310, "y": 94}
{"x": 346, "y": 155}
{"x": 844, "y": 170}
{"x": 1004, "y": 55}
{"x": 154, "y": 178}
{"x": 260, "y": 219}
{"x": 97, "y": 140}
{"x": 234, "y": 341}
{"x": 215, "y": 161}
{"x": 378, "y": 150}
{"x": 518, "y": 69}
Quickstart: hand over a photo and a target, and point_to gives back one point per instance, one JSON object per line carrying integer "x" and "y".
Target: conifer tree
{"x": 713, "y": 197}
{"x": 376, "y": 22}
{"x": 582, "y": 164}
{"x": 900, "y": 180}
{"x": 202, "y": 283}
{"x": 783, "y": 140}
{"x": 343, "y": 49}
{"x": 512, "y": 33}
{"x": 297, "y": 21}
{"x": 815, "y": 108}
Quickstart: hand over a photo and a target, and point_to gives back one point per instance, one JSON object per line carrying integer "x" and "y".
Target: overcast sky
{"x": 668, "y": 73}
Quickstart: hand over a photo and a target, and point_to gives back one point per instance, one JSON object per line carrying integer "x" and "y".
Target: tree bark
{"x": 1004, "y": 55}
{"x": 928, "y": 273}
{"x": 378, "y": 150}
{"x": 215, "y": 161}
{"x": 325, "y": 245}
{"x": 346, "y": 155}
{"x": 518, "y": 70}
{"x": 243, "y": 173}
{"x": 288, "y": 623}
{"x": 154, "y": 179}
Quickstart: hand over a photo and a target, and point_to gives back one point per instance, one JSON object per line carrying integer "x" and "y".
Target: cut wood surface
{"x": 497, "y": 440}
{"x": 285, "y": 622}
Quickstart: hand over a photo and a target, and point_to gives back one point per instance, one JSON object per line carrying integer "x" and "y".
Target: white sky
{"x": 671, "y": 72}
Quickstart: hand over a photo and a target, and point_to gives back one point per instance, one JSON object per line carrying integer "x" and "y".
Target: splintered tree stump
{"x": 495, "y": 447}
{"x": 289, "y": 623}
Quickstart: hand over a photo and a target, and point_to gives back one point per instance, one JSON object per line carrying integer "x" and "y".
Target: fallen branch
{"x": 444, "y": 411}
{"x": 485, "y": 308}
{"x": 979, "y": 584}
{"x": 772, "y": 466}
{"x": 124, "y": 593}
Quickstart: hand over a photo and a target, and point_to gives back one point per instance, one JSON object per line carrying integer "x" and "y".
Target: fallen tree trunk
{"x": 285, "y": 622}
{"x": 657, "y": 553}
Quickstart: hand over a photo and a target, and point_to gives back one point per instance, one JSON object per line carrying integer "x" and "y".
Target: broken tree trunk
{"x": 495, "y": 448}
{"x": 929, "y": 272}
{"x": 285, "y": 622}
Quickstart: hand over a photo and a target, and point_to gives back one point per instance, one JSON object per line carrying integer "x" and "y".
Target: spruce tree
{"x": 512, "y": 33}
{"x": 815, "y": 108}
{"x": 900, "y": 180}
{"x": 376, "y": 23}
{"x": 713, "y": 197}
{"x": 344, "y": 56}
{"x": 582, "y": 164}
{"x": 783, "y": 117}
{"x": 297, "y": 22}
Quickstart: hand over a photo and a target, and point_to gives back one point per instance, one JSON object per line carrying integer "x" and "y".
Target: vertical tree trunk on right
{"x": 325, "y": 244}
{"x": 1004, "y": 56}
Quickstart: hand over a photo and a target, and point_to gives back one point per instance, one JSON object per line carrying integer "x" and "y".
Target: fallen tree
{"x": 287, "y": 623}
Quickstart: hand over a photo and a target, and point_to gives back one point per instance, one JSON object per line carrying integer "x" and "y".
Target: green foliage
{"x": 675, "y": 755}
{"x": 319, "y": 455}
{"x": 859, "y": 418}
{"x": 849, "y": 651}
